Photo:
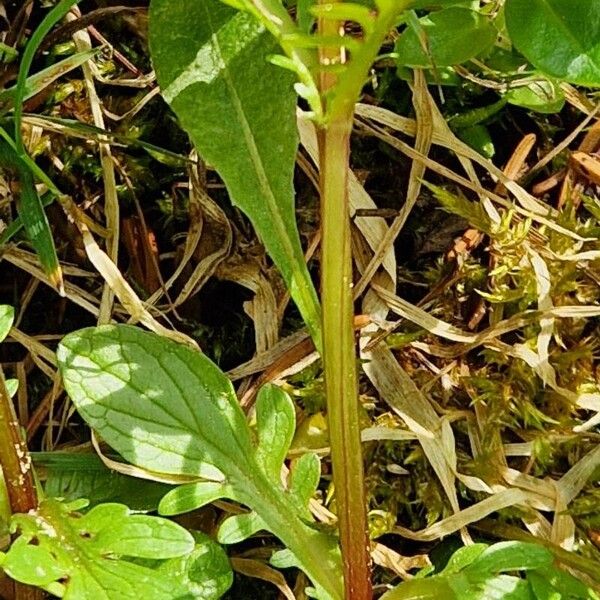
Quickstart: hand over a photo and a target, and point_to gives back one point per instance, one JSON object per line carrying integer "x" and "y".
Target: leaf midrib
{"x": 254, "y": 153}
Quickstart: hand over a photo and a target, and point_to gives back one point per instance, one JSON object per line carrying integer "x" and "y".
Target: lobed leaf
{"x": 82, "y": 556}
{"x": 168, "y": 408}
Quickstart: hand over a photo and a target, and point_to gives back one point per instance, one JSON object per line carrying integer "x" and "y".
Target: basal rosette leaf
{"x": 162, "y": 405}
{"x": 168, "y": 408}
{"x": 73, "y": 475}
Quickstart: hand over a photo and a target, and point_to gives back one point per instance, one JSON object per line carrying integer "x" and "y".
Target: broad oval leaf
{"x": 559, "y": 37}
{"x": 240, "y": 111}
{"x": 7, "y": 317}
{"x": 452, "y": 36}
{"x": 161, "y": 405}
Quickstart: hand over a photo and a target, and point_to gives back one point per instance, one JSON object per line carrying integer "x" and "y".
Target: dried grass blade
{"x": 259, "y": 570}
{"x": 465, "y": 517}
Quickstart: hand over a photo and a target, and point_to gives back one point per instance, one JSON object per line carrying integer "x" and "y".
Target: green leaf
{"x": 304, "y": 479}
{"x": 453, "y": 36}
{"x": 283, "y": 559}
{"x": 305, "y": 18}
{"x": 432, "y": 588}
{"x": 478, "y": 137}
{"x": 564, "y": 583}
{"x": 32, "y": 564}
{"x": 544, "y": 96}
{"x": 7, "y": 318}
{"x": 559, "y": 37}
{"x": 503, "y": 587}
{"x": 168, "y": 408}
{"x": 240, "y": 111}
{"x": 542, "y": 588}
{"x": 12, "y": 386}
{"x": 31, "y": 212}
{"x": 238, "y": 528}
{"x": 205, "y": 572}
{"x": 463, "y": 557}
{"x": 276, "y": 424}
{"x": 162, "y": 405}
{"x": 70, "y": 475}
{"x": 58, "y": 548}
{"x": 509, "y": 556}
{"x": 191, "y": 496}
{"x": 115, "y": 531}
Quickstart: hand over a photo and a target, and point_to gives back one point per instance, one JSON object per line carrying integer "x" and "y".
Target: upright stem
{"x": 339, "y": 357}
{"x": 339, "y": 351}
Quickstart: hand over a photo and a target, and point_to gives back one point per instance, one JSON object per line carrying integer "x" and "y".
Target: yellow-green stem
{"x": 339, "y": 357}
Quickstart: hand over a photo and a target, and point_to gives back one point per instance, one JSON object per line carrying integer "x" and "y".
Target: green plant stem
{"x": 339, "y": 357}
{"x": 315, "y": 551}
{"x": 339, "y": 351}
